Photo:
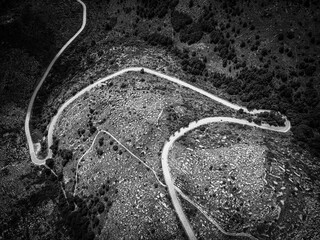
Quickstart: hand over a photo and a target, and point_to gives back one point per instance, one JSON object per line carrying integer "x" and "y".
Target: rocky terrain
{"x": 260, "y": 54}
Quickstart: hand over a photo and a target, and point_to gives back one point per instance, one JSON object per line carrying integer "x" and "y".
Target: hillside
{"x": 259, "y": 54}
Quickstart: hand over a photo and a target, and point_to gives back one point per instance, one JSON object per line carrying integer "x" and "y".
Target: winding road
{"x": 164, "y": 158}
{"x": 34, "y": 158}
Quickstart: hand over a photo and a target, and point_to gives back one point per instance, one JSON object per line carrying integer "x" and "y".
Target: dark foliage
{"x": 99, "y": 152}
{"x": 300, "y": 103}
{"x": 31, "y": 33}
{"x": 110, "y": 24}
{"x": 55, "y": 146}
{"x": 191, "y": 3}
{"x": 273, "y": 118}
{"x": 216, "y": 36}
{"x": 77, "y": 221}
{"x": 290, "y": 34}
{"x": 158, "y": 39}
{"x": 303, "y": 132}
{"x": 50, "y": 163}
{"x": 101, "y": 141}
{"x": 280, "y": 36}
{"x": 191, "y": 34}
{"x": 92, "y": 129}
{"x": 155, "y": 8}
{"x": 66, "y": 156}
{"x": 180, "y": 20}
{"x": 194, "y": 66}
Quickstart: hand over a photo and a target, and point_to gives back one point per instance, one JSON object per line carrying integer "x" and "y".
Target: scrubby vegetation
{"x": 155, "y": 8}
{"x": 248, "y": 51}
{"x": 180, "y": 20}
{"x": 158, "y": 39}
{"x": 84, "y": 217}
{"x": 268, "y": 86}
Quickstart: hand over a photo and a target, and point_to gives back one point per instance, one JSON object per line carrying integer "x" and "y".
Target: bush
{"x": 280, "y": 36}
{"x": 191, "y": 3}
{"x": 191, "y": 34}
{"x": 290, "y": 34}
{"x": 155, "y": 8}
{"x": 207, "y": 21}
{"x": 66, "y": 156}
{"x": 281, "y": 49}
{"x": 54, "y": 147}
{"x": 179, "y": 20}
{"x": 158, "y": 39}
{"x": 240, "y": 111}
{"x": 194, "y": 66}
{"x": 257, "y": 121}
{"x": 303, "y": 132}
{"x": 309, "y": 70}
{"x": 215, "y": 37}
{"x": 110, "y": 24}
{"x": 99, "y": 152}
{"x": 93, "y": 129}
{"x": 100, "y": 207}
{"x": 101, "y": 141}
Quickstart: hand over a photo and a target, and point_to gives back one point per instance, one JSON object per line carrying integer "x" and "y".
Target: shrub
{"x": 303, "y": 132}
{"x": 93, "y": 129}
{"x": 215, "y": 36}
{"x": 257, "y": 121}
{"x": 191, "y": 34}
{"x": 281, "y": 49}
{"x": 240, "y": 111}
{"x": 101, "y": 141}
{"x": 290, "y": 34}
{"x": 158, "y": 39}
{"x": 280, "y": 36}
{"x": 194, "y": 66}
{"x": 309, "y": 70}
{"x": 191, "y": 3}
{"x": 100, "y": 207}
{"x": 109, "y": 25}
{"x": 99, "y": 152}
{"x": 224, "y": 63}
{"x": 66, "y": 156}
{"x": 207, "y": 21}
{"x": 54, "y": 147}
{"x": 155, "y": 8}
{"x": 264, "y": 52}
{"x": 179, "y": 20}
